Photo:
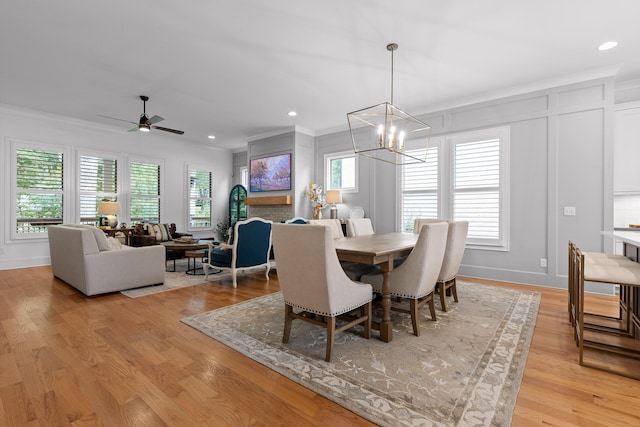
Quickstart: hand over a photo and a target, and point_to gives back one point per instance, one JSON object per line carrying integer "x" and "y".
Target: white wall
{"x": 560, "y": 155}
{"x": 75, "y": 135}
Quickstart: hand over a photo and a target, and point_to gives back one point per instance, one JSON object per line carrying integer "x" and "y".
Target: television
{"x": 270, "y": 173}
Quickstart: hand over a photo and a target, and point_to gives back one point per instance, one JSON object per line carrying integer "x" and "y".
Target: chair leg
{"x": 206, "y": 271}
{"x": 443, "y": 296}
{"x": 454, "y": 290}
{"x": 432, "y": 308}
{"x": 287, "y": 323}
{"x": 234, "y": 274}
{"x": 413, "y": 308}
{"x": 331, "y": 332}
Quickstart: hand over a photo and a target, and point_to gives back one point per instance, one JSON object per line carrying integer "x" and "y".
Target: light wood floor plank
{"x": 111, "y": 360}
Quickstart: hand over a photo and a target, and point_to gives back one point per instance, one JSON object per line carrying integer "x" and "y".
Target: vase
{"x": 317, "y": 214}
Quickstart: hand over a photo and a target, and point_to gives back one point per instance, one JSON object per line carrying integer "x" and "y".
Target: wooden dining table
{"x": 378, "y": 249}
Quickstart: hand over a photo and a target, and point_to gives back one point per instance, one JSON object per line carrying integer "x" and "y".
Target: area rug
{"x": 465, "y": 369}
{"x": 179, "y": 279}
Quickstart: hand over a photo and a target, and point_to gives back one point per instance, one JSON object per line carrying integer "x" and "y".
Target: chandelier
{"x": 392, "y": 135}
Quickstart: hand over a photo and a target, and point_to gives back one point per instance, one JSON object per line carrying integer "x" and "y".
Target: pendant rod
{"x": 391, "y": 47}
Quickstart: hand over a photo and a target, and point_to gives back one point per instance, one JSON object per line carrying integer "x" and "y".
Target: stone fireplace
{"x": 276, "y": 208}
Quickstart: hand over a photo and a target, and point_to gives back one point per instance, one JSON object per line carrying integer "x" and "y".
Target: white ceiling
{"x": 235, "y": 68}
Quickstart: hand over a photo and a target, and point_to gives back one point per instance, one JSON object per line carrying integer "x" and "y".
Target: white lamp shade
{"x": 334, "y": 196}
{"x": 109, "y": 208}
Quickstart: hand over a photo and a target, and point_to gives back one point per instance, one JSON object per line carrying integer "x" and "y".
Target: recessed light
{"x": 292, "y": 113}
{"x": 211, "y": 137}
{"x": 607, "y": 45}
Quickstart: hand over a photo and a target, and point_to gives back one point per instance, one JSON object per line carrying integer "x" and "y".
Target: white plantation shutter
{"x": 98, "y": 181}
{"x": 419, "y": 189}
{"x": 465, "y": 178}
{"x": 200, "y": 198}
{"x": 144, "y": 183}
{"x": 476, "y": 184}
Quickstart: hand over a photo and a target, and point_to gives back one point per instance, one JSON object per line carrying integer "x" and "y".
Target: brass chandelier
{"x": 389, "y": 131}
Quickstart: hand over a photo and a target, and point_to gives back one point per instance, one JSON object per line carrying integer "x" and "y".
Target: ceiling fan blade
{"x": 135, "y": 129}
{"x": 179, "y": 132}
{"x": 114, "y": 118}
{"x": 154, "y": 120}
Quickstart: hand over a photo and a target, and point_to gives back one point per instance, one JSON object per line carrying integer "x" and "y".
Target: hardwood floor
{"x": 115, "y": 361}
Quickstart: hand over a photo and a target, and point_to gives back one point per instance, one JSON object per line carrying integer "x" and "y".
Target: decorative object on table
{"x": 317, "y": 199}
{"x": 123, "y": 225}
{"x": 186, "y": 239}
{"x": 110, "y": 210}
{"x": 465, "y": 369}
{"x": 357, "y": 212}
{"x": 333, "y": 197}
{"x": 393, "y": 129}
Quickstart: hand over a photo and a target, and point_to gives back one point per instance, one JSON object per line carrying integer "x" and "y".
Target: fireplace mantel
{"x": 269, "y": 200}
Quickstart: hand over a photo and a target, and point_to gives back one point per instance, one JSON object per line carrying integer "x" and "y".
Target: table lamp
{"x": 333, "y": 197}
{"x": 110, "y": 210}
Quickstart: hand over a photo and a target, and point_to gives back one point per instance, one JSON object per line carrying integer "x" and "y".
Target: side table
{"x": 194, "y": 255}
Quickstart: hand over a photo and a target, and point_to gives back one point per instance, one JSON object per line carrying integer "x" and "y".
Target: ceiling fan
{"x": 145, "y": 124}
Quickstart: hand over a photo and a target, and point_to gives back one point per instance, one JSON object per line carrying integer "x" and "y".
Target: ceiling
{"x": 234, "y": 69}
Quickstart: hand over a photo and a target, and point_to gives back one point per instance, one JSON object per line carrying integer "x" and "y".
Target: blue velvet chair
{"x": 250, "y": 248}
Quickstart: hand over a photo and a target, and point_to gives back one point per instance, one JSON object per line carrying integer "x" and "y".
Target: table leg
{"x": 386, "y": 331}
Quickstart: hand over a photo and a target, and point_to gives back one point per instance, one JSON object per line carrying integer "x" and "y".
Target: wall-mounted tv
{"x": 270, "y": 173}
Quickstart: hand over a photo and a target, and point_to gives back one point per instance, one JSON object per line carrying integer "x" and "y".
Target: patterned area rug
{"x": 463, "y": 370}
{"x": 179, "y": 279}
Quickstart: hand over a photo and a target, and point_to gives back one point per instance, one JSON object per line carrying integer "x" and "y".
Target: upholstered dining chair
{"x": 250, "y": 248}
{"x": 456, "y": 242}
{"x": 419, "y": 222}
{"x": 416, "y": 278}
{"x": 314, "y": 286}
{"x": 333, "y": 224}
{"x": 359, "y": 227}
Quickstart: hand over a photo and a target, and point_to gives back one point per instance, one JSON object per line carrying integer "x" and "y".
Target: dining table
{"x": 378, "y": 249}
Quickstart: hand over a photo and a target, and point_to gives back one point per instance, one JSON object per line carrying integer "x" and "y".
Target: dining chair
{"x": 456, "y": 242}
{"x": 333, "y": 224}
{"x": 359, "y": 227}
{"x": 250, "y": 248}
{"x": 415, "y": 279}
{"x": 314, "y": 286}
{"x": 419, "y": 222}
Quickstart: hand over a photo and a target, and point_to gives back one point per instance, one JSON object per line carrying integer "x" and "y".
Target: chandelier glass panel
{"x": 387, "y": 129}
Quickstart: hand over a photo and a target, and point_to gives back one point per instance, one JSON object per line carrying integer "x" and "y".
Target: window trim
{"x": 341, "y": 155}
{"x": 13, "y": 146}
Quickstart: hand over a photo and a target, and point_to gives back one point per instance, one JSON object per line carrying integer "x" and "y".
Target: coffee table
{"x": 176, "y": 246}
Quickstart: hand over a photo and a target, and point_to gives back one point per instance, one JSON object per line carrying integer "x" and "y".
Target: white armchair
{"x": 312, "y": 282}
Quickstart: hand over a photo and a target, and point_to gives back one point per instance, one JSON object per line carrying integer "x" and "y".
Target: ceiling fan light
{"x": 143, "y": 128}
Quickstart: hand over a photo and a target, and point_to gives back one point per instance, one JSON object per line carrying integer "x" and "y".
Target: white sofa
{"x": 82, "y": 256}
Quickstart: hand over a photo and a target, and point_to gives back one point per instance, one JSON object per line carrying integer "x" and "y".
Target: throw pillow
{"x": 101, "y": 239}
{"x": 161, "y": 231}
{"x": 114, "y": 244}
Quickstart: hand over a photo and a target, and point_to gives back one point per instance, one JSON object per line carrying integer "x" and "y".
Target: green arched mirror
{"x": 237, "y": 208}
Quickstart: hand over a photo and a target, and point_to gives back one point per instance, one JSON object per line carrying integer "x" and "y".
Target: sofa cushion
{"x": 220, "y": 257}
{"x": 114, "y": 244}
{"x": 100, "y": 236}
{"x": 161, "y": 232}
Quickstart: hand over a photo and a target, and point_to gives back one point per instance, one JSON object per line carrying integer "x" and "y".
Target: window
{"x": 144, "y": 190}
{"x": 419, "y": 188}
{"x": 244, "y": 175}
{"x": 200, "y": 198}
{"x": 465, "y": 178}
{"x": 98, "y": 181}
{"x": 39, "y": 190}
{"x": 341, "y": 171}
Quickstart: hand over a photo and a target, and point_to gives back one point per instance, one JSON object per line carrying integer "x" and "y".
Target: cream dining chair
{"x": 359, "y": 227}
{"x": 333, "y": 224}
{"x": 456, "y": 242}
{"x": 416, "y": 278}
{"x": 314, "y": 286}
